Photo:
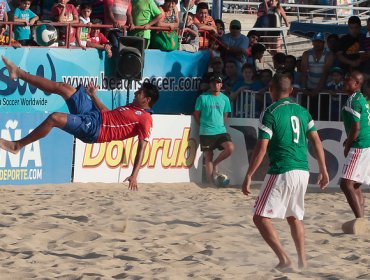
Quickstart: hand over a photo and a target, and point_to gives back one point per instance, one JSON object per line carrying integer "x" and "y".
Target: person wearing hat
{"x": 235, "y": 44}
{"x": 211, "y": 112}
{"x": 316, "y": 62}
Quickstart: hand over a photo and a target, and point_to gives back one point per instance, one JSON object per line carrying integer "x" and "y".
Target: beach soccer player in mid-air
{"x": 89, "y": 119}
{"x": 283, "y": 131}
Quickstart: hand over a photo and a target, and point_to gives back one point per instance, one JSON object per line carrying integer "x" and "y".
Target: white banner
{"x": 173, "y": 154}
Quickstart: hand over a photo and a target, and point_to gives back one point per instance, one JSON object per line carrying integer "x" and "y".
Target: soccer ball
{"x": 45, "y": 35}
{"x": 221, "y": 180}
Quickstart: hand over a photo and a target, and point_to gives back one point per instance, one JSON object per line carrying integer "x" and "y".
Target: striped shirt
{"x": 315, "y": 68}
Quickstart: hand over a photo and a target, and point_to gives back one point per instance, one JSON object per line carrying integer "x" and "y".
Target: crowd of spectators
{"x": 234, "y": 56}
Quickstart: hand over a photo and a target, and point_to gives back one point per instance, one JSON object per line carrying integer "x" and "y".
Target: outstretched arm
{"x": 323, "y": 178}
{"x": 91, "y": 91}
{"x": 138, "y": 160}
{"x": 257, "y": 158}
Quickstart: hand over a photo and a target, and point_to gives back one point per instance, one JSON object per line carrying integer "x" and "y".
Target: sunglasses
{"x": 235, "y": 27}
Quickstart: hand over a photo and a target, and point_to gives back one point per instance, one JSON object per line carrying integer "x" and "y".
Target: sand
{"x": 164, "y": 231}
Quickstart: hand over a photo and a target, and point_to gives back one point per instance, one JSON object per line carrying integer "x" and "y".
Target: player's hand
{"x": 323, "y": 179}
{"x": 246, "y": 187}
{"x": 346, "y": 150}
{"x": 91, "y": 90}
{"x": 132, "y": 183}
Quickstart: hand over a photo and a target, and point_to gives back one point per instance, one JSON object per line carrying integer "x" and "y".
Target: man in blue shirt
{"x": 236, "y": 44}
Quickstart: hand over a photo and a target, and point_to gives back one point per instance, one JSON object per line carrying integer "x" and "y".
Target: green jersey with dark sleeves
{"x": 286, "y": 125}
{"x": 356, "y": 109}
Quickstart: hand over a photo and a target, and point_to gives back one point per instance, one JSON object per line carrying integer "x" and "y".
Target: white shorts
{"x": 282, "y": 195}
{"x": 357, "y": 166}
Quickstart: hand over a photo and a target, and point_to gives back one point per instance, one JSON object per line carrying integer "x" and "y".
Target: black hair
{"x": 221, "y": 23}
{"x": 253, "y": 33}
{"x": 189, "y": 15}
{"x": 292, "y": 57}
{"x": 175, "y": 1}
{"x": 332, "y": 36}
{"x": 268, "y": 71}
{"x": 85, "y": 6}
{"x": 257, "y": 48}
{"x": 96, "y": 21}
{"x": 231, "y": 61}
{"x": 150, "y": 90}
{"x": 278, "y": 82}
{"x": 201, "y": 6}
{"x": 354, "y": 20}
{"x": 248, "y": 66}
{"x": 279, "y": 58}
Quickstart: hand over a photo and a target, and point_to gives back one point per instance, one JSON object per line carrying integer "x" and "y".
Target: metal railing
{"x": 324, "y": 107}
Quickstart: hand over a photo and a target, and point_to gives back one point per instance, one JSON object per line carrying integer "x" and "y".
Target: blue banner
{"x": 48, "y": 160}
{"x": 177, "y": 74}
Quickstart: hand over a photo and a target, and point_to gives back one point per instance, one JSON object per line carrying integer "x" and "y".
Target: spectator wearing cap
{"x": 315, "y": 66}
{"x": 348, "y": 51}
{"x": 334, "y": 86}
{"x": 211, "y": 112}
{"x": 235, "y": 44}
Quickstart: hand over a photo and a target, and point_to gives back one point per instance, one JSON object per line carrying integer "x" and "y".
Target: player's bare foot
{"x": 12, "y": 68}
{"x": 286, "y": 266}
{"x": 302, "y": 265}
{"x": 9, "y": 146}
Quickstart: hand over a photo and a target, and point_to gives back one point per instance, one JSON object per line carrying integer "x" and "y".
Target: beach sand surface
{"x": 164, "y": 231}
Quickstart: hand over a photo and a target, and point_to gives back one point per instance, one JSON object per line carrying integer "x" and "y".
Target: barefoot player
{"x": 283, "y": 131}
{"x": 89, "y": 119}
{"x": 356, "y": 169}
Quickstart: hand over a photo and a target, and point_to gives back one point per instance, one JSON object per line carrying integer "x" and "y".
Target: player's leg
{"x": 62, "y": 89}
{"x": 297, "y": 232}
{"x": 227, "y": 148}
{"x": 354, "y": 196}
{"x": 53, "y": 120}
{"x": 208, "y": 157}
{"x": 271, "y": 237}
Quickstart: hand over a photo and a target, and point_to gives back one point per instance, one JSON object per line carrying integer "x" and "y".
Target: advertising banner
{"x": 176, "y": 73}
{"x": 46, "y": 161}
{"x": 173, "y": 154}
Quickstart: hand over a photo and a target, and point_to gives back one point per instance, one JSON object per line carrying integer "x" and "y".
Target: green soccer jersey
{"x": 212, "y": 109}
{"x": 286, "y": 124}
{"x": 356, "y": 109}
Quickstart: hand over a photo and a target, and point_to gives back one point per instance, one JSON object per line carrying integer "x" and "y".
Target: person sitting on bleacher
{"x": 65, "y": 13}
{"x": 334, "y": 86}
{"x": 190, "y": 35}
{"x": 235, "y": 44}
{"x": 204, "y": 22}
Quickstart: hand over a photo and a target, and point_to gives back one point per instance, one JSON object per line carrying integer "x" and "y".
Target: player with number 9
{"x": 283, "y": 131}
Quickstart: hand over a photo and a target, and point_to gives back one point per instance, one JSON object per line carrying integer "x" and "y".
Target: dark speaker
{"x": 130, "y": 62}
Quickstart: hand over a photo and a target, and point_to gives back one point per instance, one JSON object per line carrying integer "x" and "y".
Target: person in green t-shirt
{"x": 211, "y": 111}
{"x": 283, "y": 131}
{"x": 145, "y": 13}
{"x": 356, "y": 168}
